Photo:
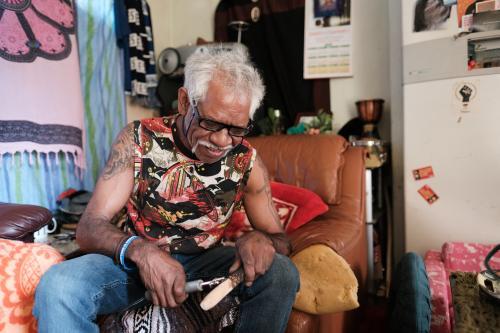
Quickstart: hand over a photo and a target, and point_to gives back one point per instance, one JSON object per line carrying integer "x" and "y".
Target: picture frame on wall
{"x": 305, "y": 118}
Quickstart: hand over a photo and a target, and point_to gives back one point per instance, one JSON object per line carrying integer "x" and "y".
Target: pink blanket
{"x": 454, "y": 256}
{"x": 41, "y": 106}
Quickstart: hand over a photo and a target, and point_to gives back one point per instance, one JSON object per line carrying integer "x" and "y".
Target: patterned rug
{"x": 187, "y": 318}
{"x": 473, "y": 313}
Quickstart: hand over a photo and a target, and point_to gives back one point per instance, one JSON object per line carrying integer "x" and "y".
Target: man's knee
{"x": 67, "y": 281}
{"x": 53, "y": 290}
{"x": 56, "y": 284}
{"x": 284, "y": 273}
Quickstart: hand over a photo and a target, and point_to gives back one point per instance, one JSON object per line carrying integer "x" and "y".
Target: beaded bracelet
{"x": 118, "y": 248}
{"x": 123, "y": 250}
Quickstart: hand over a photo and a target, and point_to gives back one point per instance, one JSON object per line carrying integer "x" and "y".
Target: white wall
{"x": 161, "y": 12}
{"x": 180, "y": 22}
{"x": 192, "y": 19}
{"x": 463, "y": 150}
{"x": 370, "y": 79}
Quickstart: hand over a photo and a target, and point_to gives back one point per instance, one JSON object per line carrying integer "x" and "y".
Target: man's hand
{"x": 162, "y": 275}
{"x": 255, "y": 251}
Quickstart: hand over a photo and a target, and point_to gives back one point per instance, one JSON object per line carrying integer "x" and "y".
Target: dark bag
{"x": 70, "y": 206}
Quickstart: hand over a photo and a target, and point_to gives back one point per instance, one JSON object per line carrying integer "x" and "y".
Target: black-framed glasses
{"x": 215, "y": 126}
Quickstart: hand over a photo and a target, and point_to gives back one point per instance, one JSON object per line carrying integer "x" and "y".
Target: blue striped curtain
{"x": 39, "y": 178}
{"x": 102, "y": 82}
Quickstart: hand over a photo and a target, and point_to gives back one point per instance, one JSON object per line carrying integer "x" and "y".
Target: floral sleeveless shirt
{"x": 178, "y": 201}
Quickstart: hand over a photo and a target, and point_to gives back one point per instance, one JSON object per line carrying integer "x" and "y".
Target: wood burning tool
{"x": 193, "y": 286}
{"x": 224, "y": 288}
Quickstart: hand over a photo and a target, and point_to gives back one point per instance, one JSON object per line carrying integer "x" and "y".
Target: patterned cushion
{"x": 296, "y": 206}
{"x": 309, "y": 204}
{"x": 466, "y": 257}
{"x": 21, "y": 266}
{"x": 440, "y": 294}
{"x": 188, "y": 317}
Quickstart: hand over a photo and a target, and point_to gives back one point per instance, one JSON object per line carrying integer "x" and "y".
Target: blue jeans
{"x": 71, "y": 294}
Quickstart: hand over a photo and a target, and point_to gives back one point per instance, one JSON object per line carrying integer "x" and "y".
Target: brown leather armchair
{"x": 328, "y": 166}
{"x": 19, "y": 222}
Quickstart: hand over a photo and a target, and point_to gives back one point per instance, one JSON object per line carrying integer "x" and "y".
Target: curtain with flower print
{"x": 38, "y": 178}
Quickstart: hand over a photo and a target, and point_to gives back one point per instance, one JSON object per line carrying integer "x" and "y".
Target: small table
{"x": 473, "y": 313}
{"x": 376, "y": 156}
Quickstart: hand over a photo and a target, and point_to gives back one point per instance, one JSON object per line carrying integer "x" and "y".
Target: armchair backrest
{"x": 328, "y": 166}
{"x": 315, "y": 162}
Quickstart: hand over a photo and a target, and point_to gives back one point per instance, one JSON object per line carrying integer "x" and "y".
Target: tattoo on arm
{"x": 280, "y": 241}
{"x": 121, "y": 156}
{"x": 266, "y": 188}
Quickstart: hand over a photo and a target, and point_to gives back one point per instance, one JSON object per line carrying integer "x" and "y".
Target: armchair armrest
{"x": 339, "y": 234}
{"x": 19, "y": 222}
{"x": 330, "y": 254}
{"x": 327, "y": 283}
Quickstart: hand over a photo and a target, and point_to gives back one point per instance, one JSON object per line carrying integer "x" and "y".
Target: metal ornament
{"x": 255, "y": 14}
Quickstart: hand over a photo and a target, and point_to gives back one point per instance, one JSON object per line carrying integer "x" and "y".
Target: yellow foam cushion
{"x": 327, "y": 283}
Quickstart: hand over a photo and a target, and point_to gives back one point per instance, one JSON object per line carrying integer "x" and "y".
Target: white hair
{"x": 231, "y": 65}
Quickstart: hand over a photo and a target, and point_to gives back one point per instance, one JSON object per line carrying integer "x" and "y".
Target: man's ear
{"x": 182, "y": 101}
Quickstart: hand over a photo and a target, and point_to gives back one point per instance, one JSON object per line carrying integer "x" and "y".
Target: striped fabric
{"x": 102, "y": 82}
{"x": 38, "y": 178}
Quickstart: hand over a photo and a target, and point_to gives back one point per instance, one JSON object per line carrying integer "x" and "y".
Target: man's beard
{"x": 207, "y": 144}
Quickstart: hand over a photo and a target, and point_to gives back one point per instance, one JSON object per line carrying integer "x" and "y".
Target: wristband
{"x": 123, "y": 250}
{"x": 116, "y": 252}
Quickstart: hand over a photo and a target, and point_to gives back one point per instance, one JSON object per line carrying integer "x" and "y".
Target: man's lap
{"x": 94, "y": 277}
{"x": 98, "y": 277}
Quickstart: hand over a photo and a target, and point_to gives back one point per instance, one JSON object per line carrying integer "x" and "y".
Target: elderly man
{"x": 180, "y": 185}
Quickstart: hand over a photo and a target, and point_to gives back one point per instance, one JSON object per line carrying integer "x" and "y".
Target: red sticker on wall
{"x": 428, "y": 194}
{"x": 423, "y": 173}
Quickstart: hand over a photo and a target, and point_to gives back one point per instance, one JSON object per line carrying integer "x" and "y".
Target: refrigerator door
{"x": 463, "y": 149}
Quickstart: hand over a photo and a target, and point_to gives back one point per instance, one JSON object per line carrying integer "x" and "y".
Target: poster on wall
{"x": 425, "y": 20}
{"x": 327, "y": 39}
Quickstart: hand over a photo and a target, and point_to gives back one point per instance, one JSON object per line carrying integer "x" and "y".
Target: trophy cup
{"x": 370, "y": 113}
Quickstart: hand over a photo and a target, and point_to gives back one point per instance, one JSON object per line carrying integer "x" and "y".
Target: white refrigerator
{"x": 452, "y": 124}
{"x": 463, "y": 149}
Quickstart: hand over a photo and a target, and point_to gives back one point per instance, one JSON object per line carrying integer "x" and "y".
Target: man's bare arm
{"x": 162, "y": 275}
{"x": 256, "y": 249}
{"x": 94, "y": 232}
{"x": 260, "y": 208}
